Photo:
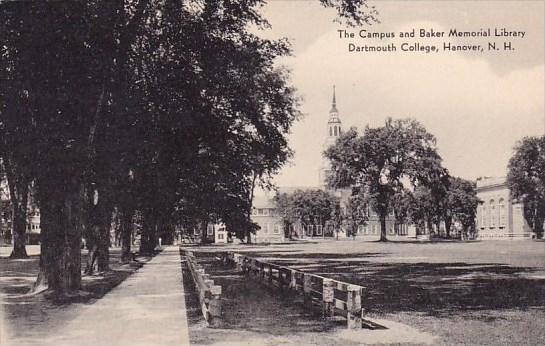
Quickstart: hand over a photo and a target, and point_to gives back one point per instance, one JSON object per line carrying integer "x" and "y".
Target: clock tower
{"x": 334, "y": 130}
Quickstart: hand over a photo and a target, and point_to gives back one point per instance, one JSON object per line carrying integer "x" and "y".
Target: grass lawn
{"x": 28, "y": 315}
{"x": 473, "y": 293}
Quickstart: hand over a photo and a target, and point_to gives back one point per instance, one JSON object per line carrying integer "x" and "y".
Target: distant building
{"x": 265, "y": 214}
{"x": 220, "y": 234}
{"x": 372, "y": 227}
{"x": 33, "y": 225}
{"x": 264, "y": 211}
{"x": 33, "y": 218}
{"x": 498, "y": 216}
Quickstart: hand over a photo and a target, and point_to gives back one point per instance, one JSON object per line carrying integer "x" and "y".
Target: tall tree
{"x": 357, "y": 210}
{"x": 307, "y": 207}
{"x": 177, "y": 94}
{"x": 460, "y": 205}
{"x": 382, "y": 160}
{"x": 526, "y": 180}
{"x": 18, "y": 179}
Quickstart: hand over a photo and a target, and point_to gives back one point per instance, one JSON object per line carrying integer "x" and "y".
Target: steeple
{"x": 334, "y": 102}
{"x": 334, "y": 113}
{"x": 334, "y": 131}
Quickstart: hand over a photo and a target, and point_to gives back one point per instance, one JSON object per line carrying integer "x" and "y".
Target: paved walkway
{"x": 148, "y": 308}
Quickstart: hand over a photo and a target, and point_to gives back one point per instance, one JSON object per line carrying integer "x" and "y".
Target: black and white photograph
{"x": 272, "y": 172}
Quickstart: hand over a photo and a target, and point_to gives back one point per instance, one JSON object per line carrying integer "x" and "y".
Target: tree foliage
{"x": 167, "y": 109}
{"x": 383, "y": 160}
{"x": 307, "y": 207}
{"x": 526, "y": 180}
{"x": 461, "y": 204}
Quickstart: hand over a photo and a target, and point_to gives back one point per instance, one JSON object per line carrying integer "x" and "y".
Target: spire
{"x": 334, "y": 102}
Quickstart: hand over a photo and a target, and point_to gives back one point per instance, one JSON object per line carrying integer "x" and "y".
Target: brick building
{"x": 498, "y": 216}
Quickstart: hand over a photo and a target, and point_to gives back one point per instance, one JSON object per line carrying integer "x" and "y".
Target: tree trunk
{"x": 60, "y": 258}
{"x": 448, "y": 225}
{"x": 126, "y": 234}
{"x": 18, "y": 183}
{"x": 103, "y": 255}
{"x": 90, "y": 267}
{"x": 383, "y": 228}
{"x": 429, "y": 225}
{"x": 204, "y": 232}
{"x": 98, "y": 234}
{"x": 538, "y": 227}
{"x": 19, "y": 229}
{"x": 248, "y": 237}
{"x": 149, "y": 233}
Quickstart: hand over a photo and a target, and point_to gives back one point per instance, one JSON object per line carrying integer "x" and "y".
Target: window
{"x": 265, "y": 212}
{"x": 492, "y": 214}
{"x": 330, "y": 131}
{"x": 220, "y": 236}
{"x": 276, "y": 228}
{"x": 484, "y": 216}
{"x": 259, "y": 211}
{"x": 335, "y": 131}
{"x": 501, "y": 212}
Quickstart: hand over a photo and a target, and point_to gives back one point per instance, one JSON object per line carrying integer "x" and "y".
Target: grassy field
{"x": 474, "y": 293}
{"x": 444, "y": 293}
{"x": 28, "y": 315}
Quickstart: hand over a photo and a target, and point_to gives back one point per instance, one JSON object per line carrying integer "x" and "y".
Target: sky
{"x": 478, "y": 105}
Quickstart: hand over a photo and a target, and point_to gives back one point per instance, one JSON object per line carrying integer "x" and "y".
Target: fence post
{"x": 328, "y": 294}
{"x": 238, "y": 262}
{"x": 270, "y": 278}
{"x": 293, "y": 280}
{"x": 263, "y": 268}
{"x": 214, "y": 310}
{"x": 245, "y": 264}
{"x": 307, "y": 287}
{"x": 214, "y": 305}
{"x": 353, "y": 304}
{"x": 253, "y": 267}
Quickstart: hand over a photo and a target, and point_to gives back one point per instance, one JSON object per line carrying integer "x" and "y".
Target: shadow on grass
{"x": 438, "y": 289}
{"x": 249, "y": 307}
{"x": 18, "y": 276}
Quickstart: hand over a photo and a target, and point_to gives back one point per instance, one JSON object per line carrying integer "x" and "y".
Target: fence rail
{"x": 209, "y": 293}
{"x": 333, "y": 297}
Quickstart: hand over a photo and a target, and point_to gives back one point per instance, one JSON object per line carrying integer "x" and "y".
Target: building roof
{"x": 488, "y": 182}
{"x": 264, "y": 199}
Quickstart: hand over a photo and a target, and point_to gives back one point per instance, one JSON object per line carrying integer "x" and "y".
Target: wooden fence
{"x": 209, "y": 294}
{"x": 334, "y": 298}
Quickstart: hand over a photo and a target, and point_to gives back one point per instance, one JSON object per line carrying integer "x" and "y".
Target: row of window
{"x": 335, "y": 131}
{"x": 264, "y": 211}
{"x": 492, "y": 214}
{"x": 33, "y": 226}
{"x": 274, "y": 212}
{"x": 271, "y": 228}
